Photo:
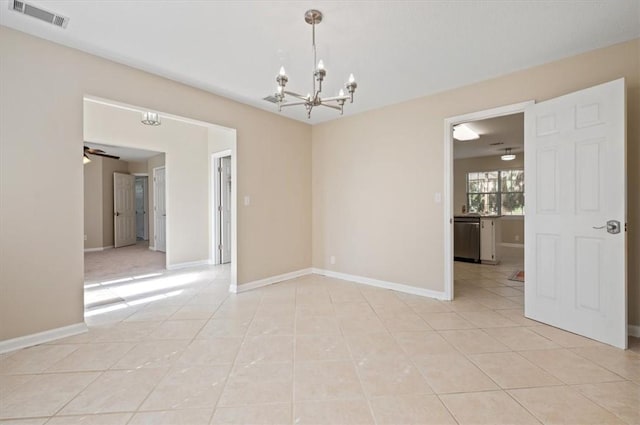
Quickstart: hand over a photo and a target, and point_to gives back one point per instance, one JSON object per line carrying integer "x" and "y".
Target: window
{"x": 496, "y": 192}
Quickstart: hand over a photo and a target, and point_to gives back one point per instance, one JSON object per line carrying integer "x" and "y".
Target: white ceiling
{"x": 125, "y": 154}
{"x": 507, "y": 130}
{"x": 397, "y": 50}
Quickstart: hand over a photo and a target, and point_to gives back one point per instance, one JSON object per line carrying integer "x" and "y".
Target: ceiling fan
{"x": 98, "y": 152}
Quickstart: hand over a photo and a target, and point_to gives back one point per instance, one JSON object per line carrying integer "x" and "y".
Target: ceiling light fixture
{"x": 313, "y": 17}
{"x": 463, "y": 133}
{"x": 508, "y": 156}
{"x": 150, "y": 118}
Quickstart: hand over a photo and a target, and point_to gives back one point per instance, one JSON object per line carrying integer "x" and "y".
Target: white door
{"x": 124, "y": 210}
{"x": 141, "y": 208}
{"x": 225, "y": 210}
{"x": 159, "y": 185}
{"x": 576, "y": 183}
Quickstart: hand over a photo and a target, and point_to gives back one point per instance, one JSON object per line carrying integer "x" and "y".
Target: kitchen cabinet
{"x": 490, "y": 237}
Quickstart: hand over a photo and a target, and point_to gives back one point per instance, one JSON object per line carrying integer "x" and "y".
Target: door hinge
{"x": 220, "y": 169}
{"x": 220, "y": 208}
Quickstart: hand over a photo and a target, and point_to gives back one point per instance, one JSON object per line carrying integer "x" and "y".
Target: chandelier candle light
{"x": 150, "y": 118}
{"x": 313, "y": 17}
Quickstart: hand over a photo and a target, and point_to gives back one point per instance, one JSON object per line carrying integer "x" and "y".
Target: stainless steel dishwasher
{"x": 466, "y": 238}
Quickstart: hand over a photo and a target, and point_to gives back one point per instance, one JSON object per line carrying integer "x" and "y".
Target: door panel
{"x": 160, "y": 209}
{"x": 576, "y": 270}
{"x": 225, "y": 219}
{"x": 124, "y": 212}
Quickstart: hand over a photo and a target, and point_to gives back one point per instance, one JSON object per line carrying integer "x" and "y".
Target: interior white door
{"x": 141, "y": 209}
{"x": 576, "y": 183}
{"x": 124, "y": 211}
{"x": 160, "y": 211}
{"x": 225, "y": 209}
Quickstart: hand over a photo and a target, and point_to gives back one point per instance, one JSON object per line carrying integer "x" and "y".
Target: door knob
{"x": 613, "y": 227}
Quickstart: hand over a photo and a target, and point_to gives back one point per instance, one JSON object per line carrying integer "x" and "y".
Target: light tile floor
{"x": 177, "y": 348}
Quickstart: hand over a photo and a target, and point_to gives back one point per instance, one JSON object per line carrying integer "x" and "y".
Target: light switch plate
{"x": 247, "y": 200}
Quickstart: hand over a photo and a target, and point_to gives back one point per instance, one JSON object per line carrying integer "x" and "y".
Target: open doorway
{"x": 119, "y": 225}
{"x": 485, "y": 213}
{"x": 176, "y": 230}
{"x": 222, "y": 194}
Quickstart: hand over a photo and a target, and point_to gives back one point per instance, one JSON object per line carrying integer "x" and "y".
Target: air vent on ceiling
{"x": 271, "y": 99}
{"x": 39, "y": 13}
{"x": 496, "y": 144}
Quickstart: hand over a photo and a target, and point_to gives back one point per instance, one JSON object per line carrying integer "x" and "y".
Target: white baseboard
{"x": 400, "y": 287}
{"x": 98, "y": 249}
{"x": 41, "y": 337}
{"x": 188, "y": 264}
{"x": 512, "y": 245}
{"x": 633, "y": 330}
{"x": 268, "y": 281}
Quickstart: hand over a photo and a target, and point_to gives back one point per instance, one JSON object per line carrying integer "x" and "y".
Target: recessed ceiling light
{"x": 463, "y": 133}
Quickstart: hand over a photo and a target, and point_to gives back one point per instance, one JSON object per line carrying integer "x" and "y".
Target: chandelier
{"x": 313, "y": 17}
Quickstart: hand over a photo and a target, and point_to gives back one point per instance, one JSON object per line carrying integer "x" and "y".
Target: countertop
{"x": 476, "y": 216}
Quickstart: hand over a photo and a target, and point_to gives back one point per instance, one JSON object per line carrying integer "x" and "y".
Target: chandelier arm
{"x": 296, "y": 95}
{"x": 335, "y": 98}
{"x": 284, "y": 105}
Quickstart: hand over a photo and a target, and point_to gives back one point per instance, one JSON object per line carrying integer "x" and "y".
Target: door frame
{"x": 448, "y": 180}
{"x": 216, "y": 233}
{"x": 155, "y": 216}
{"x": 215, "y": 194}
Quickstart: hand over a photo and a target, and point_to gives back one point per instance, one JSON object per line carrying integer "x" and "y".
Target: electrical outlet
{"x": 332, "y": 260}
{"x": 517, "y": 238}
{"x": 85, "y": 237}
{"x": 247, "y": 200}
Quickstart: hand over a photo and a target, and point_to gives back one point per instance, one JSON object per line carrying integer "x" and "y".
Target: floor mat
{"x": 517, "y": 276}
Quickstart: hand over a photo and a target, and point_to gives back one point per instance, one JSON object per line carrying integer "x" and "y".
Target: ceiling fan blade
{"x": 98, "y": 152}
{"x": 106, "y": 155}
{"x": 94, "y": 151}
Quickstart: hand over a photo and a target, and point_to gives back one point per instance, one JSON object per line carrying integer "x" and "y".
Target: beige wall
{"x": 138, "y": 167}
{"x": 109, "y": 166}
{"x": 375, "y": 174}
{"x": 512, "y": 227}
{"x": 93, "y": 204}
{"x": 42, "y": 288}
